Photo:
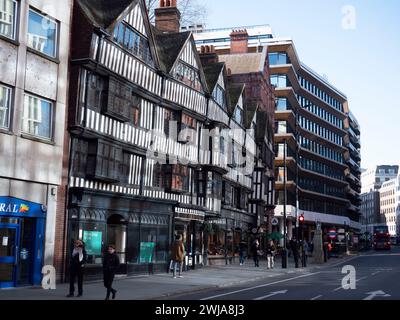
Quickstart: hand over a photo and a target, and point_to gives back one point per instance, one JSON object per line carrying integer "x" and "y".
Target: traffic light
{"x": 301, "y": 219}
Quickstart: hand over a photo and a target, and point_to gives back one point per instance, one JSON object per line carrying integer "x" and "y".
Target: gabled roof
{"x": 104, "y": 13}
{"x": 245, "y": 63}
{"x": 234, "y": 93}
{"x": 212, "y": 72}
{"x": 250, "y": 110}
{"x": 169, "y": 46}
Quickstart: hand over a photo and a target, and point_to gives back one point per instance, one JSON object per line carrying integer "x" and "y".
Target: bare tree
{"x": 192, "y": 11}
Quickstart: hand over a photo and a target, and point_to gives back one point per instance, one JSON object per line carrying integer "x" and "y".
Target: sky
{"x": 360, "y": 55}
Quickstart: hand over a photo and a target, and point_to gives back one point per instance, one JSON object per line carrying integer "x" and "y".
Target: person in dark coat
{"x": 294, "y": 245}
{"x": 110, "y": 266}
{"x": 76, "y": 268}
{"x": 255, "y": 251}
{"x": 242, "y": 250}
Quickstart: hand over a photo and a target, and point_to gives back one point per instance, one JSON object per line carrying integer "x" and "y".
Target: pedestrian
{"x": 294, "y": 245}
{"x": 305, "y": 252}
{"x": 76, "y": 268}
{"x": 270, "y": 251}
{"x": 178, "y": 255}
{"x": 110, "y": 266}
{"x": 242, "y": 249}
{"x": 255, "y": 251}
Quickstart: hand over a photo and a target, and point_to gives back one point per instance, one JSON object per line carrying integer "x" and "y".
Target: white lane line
{"x": 272, "y": 294}
{"x": 337, "y": 289}
{"x": 316, "y": 298}
{"x": 260, "y": 286}
{"x": 375, "y": 273}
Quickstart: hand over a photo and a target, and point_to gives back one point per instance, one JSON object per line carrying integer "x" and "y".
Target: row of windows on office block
{"x": 320, "y": 112}
{"x": 320, "y": 94}
{"x": 321, "y": 168}
{"x": 320, "y": 130}
{"x": 42, "y": 33}
{"x": 320, "y": 187}
{"x": 320, "y": 149}
{"x": 37, "y": 114}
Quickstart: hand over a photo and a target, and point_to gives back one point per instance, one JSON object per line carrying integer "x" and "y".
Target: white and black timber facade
{"x": 141, "y": 109}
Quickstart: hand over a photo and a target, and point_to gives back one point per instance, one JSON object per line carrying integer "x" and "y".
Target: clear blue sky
{"x": 364, "y": 62}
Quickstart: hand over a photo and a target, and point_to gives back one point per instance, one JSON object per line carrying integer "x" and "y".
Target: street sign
{"x": 332, "y": 234}
{"x": 275, "y": 221}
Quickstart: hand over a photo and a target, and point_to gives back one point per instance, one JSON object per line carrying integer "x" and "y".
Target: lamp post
{"x": 284, "y": 252}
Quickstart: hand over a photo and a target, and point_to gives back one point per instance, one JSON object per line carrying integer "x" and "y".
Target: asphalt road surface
{"x": 377, "y": 277}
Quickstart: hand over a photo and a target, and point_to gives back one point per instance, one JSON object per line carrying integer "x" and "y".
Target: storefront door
{"x": 9, "y": 250}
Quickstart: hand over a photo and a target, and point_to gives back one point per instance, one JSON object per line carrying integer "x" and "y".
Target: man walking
{"x": 255, "y": 251}
{"x": 110, "y": 266}
{"x": 295, "y": 250}
{"x": 178, "y": 255}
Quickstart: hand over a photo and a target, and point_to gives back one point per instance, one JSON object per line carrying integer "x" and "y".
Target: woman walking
{"x": 271, "y": 249}
{"x": 110, "y": 266}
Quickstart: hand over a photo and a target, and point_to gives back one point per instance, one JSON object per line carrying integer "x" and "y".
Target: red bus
{"x": 382, "y": 238}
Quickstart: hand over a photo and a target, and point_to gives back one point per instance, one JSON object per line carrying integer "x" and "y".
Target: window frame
{"x": 15, "y": 23}
{"x": 52, "y": 116}
{"x": 57, "y": 33}
{"x": 10, "y": 107}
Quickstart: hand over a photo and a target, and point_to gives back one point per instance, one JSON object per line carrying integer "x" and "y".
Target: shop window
{"x": 104, "y": 160}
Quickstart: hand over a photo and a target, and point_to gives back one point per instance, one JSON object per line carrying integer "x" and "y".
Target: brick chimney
{"x": 239, "y": 41}
{"x": 168, "y": 17}
{"x": 208, "y": 55}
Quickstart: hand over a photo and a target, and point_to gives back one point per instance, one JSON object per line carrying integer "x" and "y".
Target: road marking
{"x": 271, "y": 295}
{"x": 260, "y": 286}
{"x": 373, "y": 295}
{"x": 375, "y": 273}
{"x": 316, "y": 298}
{"x": 337, "y": 289}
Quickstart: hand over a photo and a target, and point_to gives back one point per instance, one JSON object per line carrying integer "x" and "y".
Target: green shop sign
{"x": 146, "y": 252}
{"x": 92, "y": 240}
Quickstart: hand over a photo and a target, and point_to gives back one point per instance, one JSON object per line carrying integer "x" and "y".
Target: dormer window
{"x": 239, "y": 115}
{"x": 219, "y": 96}
{"x": 188, "y": 75}
{"x": 131, "y": 40}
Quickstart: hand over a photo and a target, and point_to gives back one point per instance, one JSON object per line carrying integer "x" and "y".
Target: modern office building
{"x": 34, "y": 51}
{"x": 390, "y": 204}
{"x": 370, "y": 211}
{"x": 353, "y": 160}
{"x": 373, "y": 178}
{"x": 310, "y": 122}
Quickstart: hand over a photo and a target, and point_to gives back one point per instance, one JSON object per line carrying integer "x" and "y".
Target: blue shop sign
{"x": 10, "y": 206}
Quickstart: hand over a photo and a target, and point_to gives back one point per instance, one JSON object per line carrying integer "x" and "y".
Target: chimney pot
{"x": 168, "y": 17}
{"x": 239, "y": 41}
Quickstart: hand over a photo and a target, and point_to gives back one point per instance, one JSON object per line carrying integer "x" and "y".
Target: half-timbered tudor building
{"x": 150, "y": 153}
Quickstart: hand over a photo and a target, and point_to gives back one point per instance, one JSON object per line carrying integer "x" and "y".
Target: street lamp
{"x": 284, "y": 252}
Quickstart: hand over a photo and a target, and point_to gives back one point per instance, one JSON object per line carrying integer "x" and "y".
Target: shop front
{"x": 22, "y": 227}
{"x": 140, "y": 230}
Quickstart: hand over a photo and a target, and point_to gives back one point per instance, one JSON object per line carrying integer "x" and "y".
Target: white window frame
{"x": 45, "y": 16}
{"x": 33, "y": 120}
{"x": 14, "y": 34}
{"x": 9, "y": 107}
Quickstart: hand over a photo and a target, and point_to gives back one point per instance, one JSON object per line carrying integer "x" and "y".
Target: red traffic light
{"x": 301, "y": 218}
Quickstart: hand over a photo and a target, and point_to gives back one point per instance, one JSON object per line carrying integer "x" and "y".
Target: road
{"x": 377, "y": 277}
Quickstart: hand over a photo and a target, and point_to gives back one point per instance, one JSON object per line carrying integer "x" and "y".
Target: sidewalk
{"x": 163, "y": 285}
